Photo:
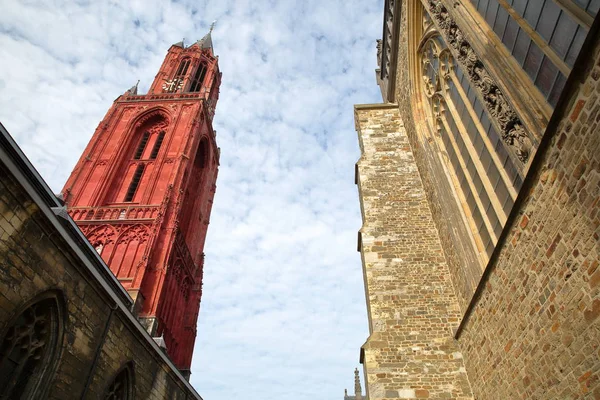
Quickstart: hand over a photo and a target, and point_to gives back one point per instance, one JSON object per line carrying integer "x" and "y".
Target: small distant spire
{"x": 357, "y": 388}
{"x": 206, "y": 41}
{"x": 134, "y": 89}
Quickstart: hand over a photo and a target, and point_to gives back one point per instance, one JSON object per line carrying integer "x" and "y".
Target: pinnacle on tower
{"x": 206, "y": 41}
{"x": 357, "y": 387}
{"x": 134, "y": 89}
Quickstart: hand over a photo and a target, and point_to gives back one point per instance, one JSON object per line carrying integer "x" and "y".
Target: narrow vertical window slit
{"x": 135, "y": 182}
{"x": 141, "y": 146}
{"x": 157, "y": 144}
{"x": 198, "y": 78}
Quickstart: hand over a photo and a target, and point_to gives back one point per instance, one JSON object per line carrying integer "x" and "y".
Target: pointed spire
{"x": 134, "y": 89}
{"x": 206, "y": 41}
{"x": 357, "y": 388}
{"x": 179, "y": 44}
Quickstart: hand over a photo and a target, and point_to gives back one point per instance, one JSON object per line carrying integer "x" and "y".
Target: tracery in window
{"x": 176, "y": 83}
{"x": 121, "y": 387}
{"x": 484, "y": 173}
{"x": 146, "y": 143}
{"x": 29, "y": 350}
{"x": 198, "y": 78}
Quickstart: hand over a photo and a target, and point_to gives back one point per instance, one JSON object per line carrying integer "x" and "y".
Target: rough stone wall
{"x": 464, "y": 263}
{"x": 33, "y": 259}
{"x": 412, "y": 307}
{"x": 535, "y": 332}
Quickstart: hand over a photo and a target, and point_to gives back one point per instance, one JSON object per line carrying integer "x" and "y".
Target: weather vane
{"x": 212, "y": 26}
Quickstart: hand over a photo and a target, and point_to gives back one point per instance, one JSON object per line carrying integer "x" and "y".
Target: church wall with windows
{"x": 476, "y": 84}
{"x": 66, "y": 329}
{"x": 481, "y": 86}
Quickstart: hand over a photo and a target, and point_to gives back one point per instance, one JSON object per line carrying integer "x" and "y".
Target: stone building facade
{"x": 66, "y": 326}
{"x": 143, "y": 189}
{"x": 100, "y": 286}
{"x": 479, "y": 190}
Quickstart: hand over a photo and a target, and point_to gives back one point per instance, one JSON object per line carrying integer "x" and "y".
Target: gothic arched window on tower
{"x": 177, "y": 82}
{"x": 121, "y": 388}
{"x": 29, "y": 350}
{"x": 147, "y": 139}
{"x": 486, "y": 177}
{"x": 198, "y": 78}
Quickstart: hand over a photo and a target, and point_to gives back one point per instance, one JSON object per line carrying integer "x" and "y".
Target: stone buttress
{"x": 412, "y": 307}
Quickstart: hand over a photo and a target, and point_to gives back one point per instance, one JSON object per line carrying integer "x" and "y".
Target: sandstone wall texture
{"x": 412, "y": 306}
{"x": 535, "y": 332}
{"x": 462, "y": 257}
{"x": 529, "y": 326}
{"x": 34, "y": 258}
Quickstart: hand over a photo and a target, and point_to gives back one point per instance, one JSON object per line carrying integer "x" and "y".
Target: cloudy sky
{"x": 283, "y": 311}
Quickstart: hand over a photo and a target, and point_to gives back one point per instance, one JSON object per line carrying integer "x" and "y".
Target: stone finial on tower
{"x": 206, "y": 41}
{"x": 134, "y": 89}
{"x": 357, "y": 387}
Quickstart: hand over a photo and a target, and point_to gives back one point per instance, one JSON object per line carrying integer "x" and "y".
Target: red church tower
{"x": 143, "y": 189}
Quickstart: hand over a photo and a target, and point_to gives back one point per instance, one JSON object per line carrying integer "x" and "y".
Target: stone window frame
{"x": 140, "y": 150}
{"x": 199, "y": 76}
{"x": 484, "y": 220}
{"x": 180, "y": 75}
{"x": 39, "y": 381}
{"x": 122, "y": 384}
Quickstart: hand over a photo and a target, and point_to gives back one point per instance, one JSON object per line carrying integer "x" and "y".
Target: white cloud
{"x": 283, "y": 313}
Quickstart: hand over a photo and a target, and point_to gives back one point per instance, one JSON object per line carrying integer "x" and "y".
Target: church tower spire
{"x": 143, "y": 189}
{"x": 357, "y": 388}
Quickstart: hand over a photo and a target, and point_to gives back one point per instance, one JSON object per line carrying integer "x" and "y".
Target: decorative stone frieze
{"x": 512, "y": 130}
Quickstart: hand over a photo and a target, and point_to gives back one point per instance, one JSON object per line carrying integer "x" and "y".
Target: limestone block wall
{"x": 35, "y": 258}
{"x": 412, "y": 307}
{"x": 463, "y": 258}
{"x": 535, "y": 331}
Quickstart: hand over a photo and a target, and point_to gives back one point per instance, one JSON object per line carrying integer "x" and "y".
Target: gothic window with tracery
{"x": 29, "y": 350}
{"x": 198, "y": 78}
{"x": 176, "y": 83}
{"x": 147, "y": 142}
{"x": 484, "y": 173}
{"x": 121, "y": 387}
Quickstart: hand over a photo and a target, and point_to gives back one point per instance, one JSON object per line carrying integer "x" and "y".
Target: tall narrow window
{"x": 121, "y": 388}
{"x": 157, "y": 144}
{"x": 29, "y": 350}
{"x": 182, "y": 70}
{"x": 176, "y": 83}
{"x": 141, "y": 146}
{"x": 198, "y": 78}
{"x": 135, "y": 182}
{"x": 485, "y": 174}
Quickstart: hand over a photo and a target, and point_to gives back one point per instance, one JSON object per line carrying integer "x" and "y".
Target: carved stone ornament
{"x": 512, "y": 130}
